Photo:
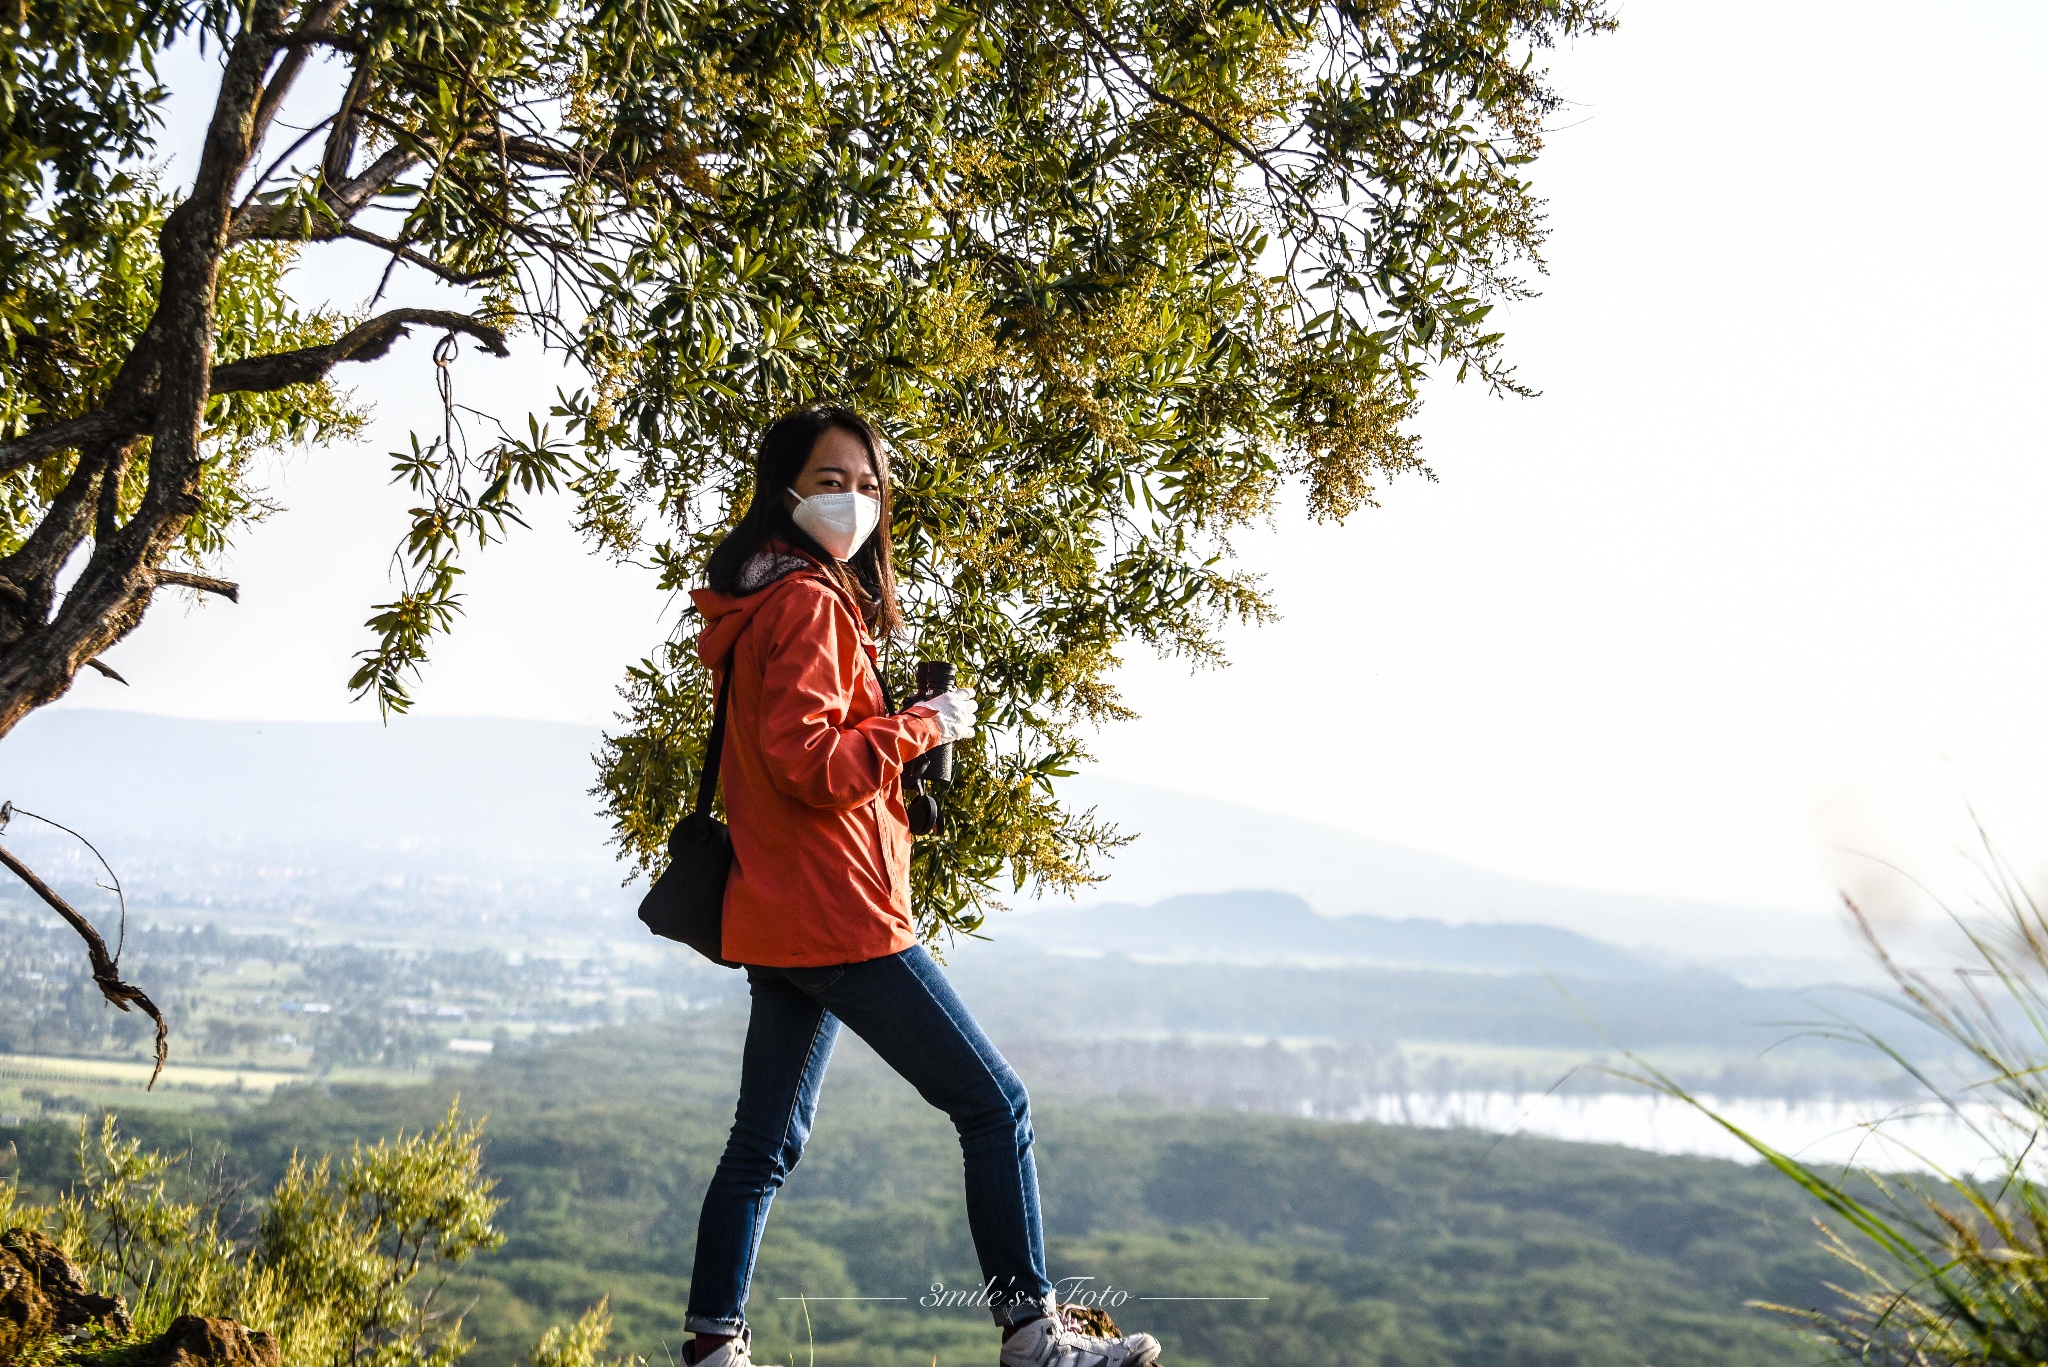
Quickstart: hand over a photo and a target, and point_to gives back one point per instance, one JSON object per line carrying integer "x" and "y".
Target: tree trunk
{"x": 168, "y": 374}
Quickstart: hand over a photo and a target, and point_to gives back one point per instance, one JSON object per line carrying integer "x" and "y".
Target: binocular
{"x": 934, "y": 766}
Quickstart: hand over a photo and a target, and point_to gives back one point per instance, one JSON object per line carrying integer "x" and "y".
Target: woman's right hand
{"x": 955, "y": 711}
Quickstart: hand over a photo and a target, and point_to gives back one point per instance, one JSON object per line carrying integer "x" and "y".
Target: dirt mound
{"x": 197, "y": 1341}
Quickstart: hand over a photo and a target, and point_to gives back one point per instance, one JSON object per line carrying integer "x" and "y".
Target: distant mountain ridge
{"x": 481, "y": 797}
{"x": 1263, "y": 927}
{"x": 1195, "y": 845}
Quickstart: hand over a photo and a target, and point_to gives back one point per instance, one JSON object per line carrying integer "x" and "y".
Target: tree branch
{"x": 280, "y": 222}
{"x": 364, "y": 342}
{"x": 392, "y": 163}
{"x": 106, "y": 973}
{"x": 535, "y": 152}
{"x": 88, "y": 429}
{"x": 67, "y": 519}
{"x": 203, "y": 582}
{"x": 107, "y": 520}
{"x": 421, "y": 259}
{"x": 1222, "y": 134}
{"x": 193, "y": 240}
{"x": 340, "y": 42}
{"x": 340, "y": 152}
{"x": 312, "y": 29}
{"x": 254, "y": 375}
{"x": 256, "y": 186}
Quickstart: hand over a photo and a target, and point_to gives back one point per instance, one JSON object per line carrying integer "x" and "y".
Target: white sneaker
{"x": 1052, "y": 1342}
{"x": 737, "y": 1351}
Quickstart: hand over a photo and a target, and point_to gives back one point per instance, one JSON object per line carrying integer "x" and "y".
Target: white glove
{"x": 955, "y": 711}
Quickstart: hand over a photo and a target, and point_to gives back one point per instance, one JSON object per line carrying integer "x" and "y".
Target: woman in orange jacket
{"x": 818, "y": 903}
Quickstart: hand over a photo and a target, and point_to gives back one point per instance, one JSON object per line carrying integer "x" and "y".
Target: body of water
{"x": 1867, "y": 1132}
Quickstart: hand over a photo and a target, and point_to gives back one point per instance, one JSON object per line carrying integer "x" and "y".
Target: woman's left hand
{"x": 955, "y": 711}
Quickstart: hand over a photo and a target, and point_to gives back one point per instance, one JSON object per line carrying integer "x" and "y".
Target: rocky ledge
{"x": 43, "y": 1297}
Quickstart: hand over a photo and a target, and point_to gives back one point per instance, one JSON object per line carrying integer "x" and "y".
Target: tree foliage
{"x": 341, "y": 1262}
{"x": 1112, "y": 275}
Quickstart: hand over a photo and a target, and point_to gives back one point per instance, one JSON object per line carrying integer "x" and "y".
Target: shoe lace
{"x": 1066, "y": 1334}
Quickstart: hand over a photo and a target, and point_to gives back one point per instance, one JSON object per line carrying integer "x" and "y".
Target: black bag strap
{"x": 714, "y": 744}
{"x": 881, "y": 682}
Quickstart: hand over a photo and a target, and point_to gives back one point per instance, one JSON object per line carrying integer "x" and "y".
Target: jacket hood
{"x": 726, "y": 615}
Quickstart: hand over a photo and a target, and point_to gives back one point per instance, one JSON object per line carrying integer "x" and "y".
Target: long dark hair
{"x": 870, "y": 576}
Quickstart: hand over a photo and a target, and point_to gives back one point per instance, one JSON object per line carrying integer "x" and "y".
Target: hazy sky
{"x": 1763, "y": 559}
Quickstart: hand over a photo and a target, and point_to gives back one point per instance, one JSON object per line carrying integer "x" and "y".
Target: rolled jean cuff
{"x": 1019, "y": 1312}
{"x": 704, "y": 1324}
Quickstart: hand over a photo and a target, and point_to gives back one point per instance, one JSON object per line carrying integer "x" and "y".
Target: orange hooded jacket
{"x": 811, "y": 772}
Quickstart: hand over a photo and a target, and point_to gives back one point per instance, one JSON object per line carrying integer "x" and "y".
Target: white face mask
{"x": 841, "y": 523}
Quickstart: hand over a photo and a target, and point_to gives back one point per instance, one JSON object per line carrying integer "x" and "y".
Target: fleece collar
{"x": 726, "y": 615}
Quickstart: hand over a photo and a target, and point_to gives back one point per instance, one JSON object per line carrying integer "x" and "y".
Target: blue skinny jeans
{"x": 905, "y": 1009}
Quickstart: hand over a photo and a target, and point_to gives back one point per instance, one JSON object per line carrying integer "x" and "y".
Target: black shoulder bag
{"x": 687, "y": 903}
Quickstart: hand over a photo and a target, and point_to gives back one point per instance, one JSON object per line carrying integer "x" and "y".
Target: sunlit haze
{"x": 1759, "y": 570}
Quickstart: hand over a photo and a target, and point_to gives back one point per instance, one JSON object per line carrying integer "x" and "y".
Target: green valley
{"x": 1239, "y": 1238}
